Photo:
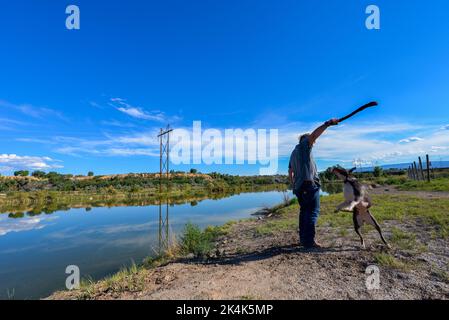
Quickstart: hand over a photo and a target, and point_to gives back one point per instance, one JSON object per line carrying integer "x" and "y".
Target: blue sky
{"x": 93, "y": 99}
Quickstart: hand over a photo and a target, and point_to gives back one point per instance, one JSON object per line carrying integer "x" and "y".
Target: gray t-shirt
{"x": 303, "y": 165}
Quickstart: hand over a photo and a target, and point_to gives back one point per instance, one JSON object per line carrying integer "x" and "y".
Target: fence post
{"x": 428, "y": 167}
{"x": 415, "y": 169}
{"x": 421, "y": 169}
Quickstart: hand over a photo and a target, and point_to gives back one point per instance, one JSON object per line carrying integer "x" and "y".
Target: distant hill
{"x": 435, "y": 164}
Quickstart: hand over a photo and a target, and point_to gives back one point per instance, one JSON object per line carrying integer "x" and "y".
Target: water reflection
{"x": 164, "y": 227}
{"x": 332, "y": 187}
{"x": 35, "y": 248}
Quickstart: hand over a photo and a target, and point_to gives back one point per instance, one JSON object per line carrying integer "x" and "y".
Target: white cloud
{"x": 131, "y": 152}
{"x": 137, "y": 112}
{"x": 11, "y": 162}
{"x": 411, "y": 139}
{"x": 8, "y": 225}
{"x": 446, "y": 127}
{"x": 141, "y": 144}
{"x": 32, "y": 111}
{"x": 369, "y": 143}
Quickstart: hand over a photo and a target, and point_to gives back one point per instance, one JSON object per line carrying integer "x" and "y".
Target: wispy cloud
{"x": 8, "y": 225}
{"x": 411, "y": 139}
{"x": 138, "y": 112}
{"x": 32, "y": 111}
{"x": 126, "y": 145}
{"x": 10, "y": 162}
{"x": 10, "y": 124}
{"x": 115, "y": 123}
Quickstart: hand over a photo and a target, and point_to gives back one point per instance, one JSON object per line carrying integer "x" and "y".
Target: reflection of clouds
{"x": 8, "y": 225}
{"x": 102, "y": 230}
{"x": 102, "y": 237}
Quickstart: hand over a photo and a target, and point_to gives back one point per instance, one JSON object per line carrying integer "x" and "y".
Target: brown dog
{"x": 357, "y": 202}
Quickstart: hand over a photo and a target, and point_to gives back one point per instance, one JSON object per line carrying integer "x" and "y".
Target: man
{"x": 306, "y": 184}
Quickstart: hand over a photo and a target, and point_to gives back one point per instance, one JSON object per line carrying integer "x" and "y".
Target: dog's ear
{"x": 352, "y": 170}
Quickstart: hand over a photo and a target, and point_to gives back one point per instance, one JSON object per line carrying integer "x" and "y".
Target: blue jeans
{"x": 309, "y": 202}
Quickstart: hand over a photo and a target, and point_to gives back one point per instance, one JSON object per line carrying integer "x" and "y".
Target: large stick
{"x": 368, "y": 105}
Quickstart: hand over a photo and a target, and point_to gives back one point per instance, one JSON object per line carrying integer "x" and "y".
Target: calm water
{"x": 35, "y": 250}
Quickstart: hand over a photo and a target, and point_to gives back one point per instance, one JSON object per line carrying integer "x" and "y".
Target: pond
{"x": 36, "y": 249}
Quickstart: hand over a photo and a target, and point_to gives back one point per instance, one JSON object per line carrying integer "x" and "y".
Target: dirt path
{"x": 269, "y": 265}
{"x": 420, "y": 194}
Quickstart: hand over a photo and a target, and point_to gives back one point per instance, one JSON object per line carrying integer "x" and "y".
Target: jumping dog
{"x": 357, "y": 202}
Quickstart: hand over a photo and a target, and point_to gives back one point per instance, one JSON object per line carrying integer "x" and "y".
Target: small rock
{"x": 190, "y": 256}
{"x": 219, "y": 252}
{"x": 401, "y": 276}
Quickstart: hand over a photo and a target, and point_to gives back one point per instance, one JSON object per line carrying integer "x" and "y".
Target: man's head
{"x": 303, "y": 136}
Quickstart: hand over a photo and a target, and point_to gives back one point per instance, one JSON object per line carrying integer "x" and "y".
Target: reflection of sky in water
{"x": 34, "y": 251}
{"x": 8, "y": 225}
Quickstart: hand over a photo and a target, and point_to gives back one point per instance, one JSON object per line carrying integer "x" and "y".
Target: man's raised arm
{"x": 319, "y": 131}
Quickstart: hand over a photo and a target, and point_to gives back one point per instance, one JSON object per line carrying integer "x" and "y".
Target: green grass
{"x": 197, "y": 241}
{"x": 440, "y": 274}
{"x": 392, "y": 207}
{"x": 406, "y": 241}
{"x": 129, "y": 279}
{"x": 387, "y": 260}
{"x": 402, "y": 182}
{"x": 440, "y": 184}
{"x": 433, "y": 212}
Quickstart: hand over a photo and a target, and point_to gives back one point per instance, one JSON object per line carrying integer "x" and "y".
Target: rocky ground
{"x": 260, "y": 259}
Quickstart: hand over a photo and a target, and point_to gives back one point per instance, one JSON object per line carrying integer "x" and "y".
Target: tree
{"x": 193, "y": 170}
{"x": 38, "y": 174}
{"x": 327, "y": 175}
{"x": 378, "y": 172}
{"x": 21, "y": 173}
{"x": 90, "y": 174}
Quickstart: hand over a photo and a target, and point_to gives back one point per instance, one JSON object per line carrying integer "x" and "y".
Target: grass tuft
{"x": 388, "y": 260}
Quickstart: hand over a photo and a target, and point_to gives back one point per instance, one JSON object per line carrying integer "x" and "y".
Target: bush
{"x": 21, "y": 173}
{"x": 378, "y": 172}
{"x": 196, "y": 241}
{"x": 38, "y": 174}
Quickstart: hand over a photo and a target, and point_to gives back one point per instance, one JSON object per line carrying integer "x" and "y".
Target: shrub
{"x": 196, "y": 241}
{"x": 38, "y": 174}
{"x": 378, "y": 172}
{"x": 21, "y": 173}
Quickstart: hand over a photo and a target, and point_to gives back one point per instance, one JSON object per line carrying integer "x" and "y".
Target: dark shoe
{"x": 315, "y": 245}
